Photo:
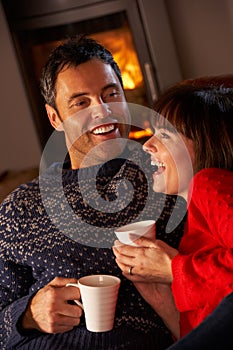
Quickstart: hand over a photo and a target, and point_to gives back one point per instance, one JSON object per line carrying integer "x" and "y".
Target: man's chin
{"x": 103, "y": 153}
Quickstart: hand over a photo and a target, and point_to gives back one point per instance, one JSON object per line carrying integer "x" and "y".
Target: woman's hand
{"x": 150, "y": 261}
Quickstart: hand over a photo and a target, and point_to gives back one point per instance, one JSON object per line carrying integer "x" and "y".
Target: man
{"x": 60, "y": 227}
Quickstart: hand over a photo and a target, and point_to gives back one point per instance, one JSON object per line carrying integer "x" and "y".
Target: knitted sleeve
{"x": 203, "y": 270}
{"x": 15, "y": 278}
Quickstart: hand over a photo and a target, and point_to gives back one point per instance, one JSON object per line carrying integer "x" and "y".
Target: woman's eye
{"x": 161, "y": 134}
{"x": 164, "y": 135}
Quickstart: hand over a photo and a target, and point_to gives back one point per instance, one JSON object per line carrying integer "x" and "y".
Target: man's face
{"x": 91, "y": 104}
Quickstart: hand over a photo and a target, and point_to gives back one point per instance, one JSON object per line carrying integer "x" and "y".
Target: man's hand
{"x": 49, "y": 310}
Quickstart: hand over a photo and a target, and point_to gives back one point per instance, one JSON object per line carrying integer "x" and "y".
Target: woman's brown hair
{"x": 204, "y": 114}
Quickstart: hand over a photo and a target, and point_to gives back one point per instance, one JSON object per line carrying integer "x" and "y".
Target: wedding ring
{"x": 130, "y": 270}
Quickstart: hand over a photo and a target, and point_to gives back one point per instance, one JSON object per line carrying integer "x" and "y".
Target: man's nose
{"x": 100, "y": 110}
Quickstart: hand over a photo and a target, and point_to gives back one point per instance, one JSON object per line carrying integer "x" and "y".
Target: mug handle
{"x": 76, "y": 301}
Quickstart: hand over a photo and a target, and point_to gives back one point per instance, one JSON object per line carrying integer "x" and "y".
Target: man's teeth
{"x": 103, "y": 129}
{"x": 156, "y": 163}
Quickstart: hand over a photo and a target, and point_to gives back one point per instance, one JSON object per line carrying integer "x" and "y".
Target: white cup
{"x": 127, "y": 234}
{"x": 99, "y": 295}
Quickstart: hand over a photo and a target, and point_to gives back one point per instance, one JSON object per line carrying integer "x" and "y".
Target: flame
{"x": 120, "y": 43}
{"x": 140, "y": 134}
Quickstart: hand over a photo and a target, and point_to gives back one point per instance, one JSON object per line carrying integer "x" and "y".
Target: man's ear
{"x": 54, "y": 118}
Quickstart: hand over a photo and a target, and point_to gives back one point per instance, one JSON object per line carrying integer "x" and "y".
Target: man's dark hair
{"x": 71, "y": 53}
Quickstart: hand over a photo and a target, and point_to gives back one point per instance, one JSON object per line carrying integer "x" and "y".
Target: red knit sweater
{"x": 203, "y": 269}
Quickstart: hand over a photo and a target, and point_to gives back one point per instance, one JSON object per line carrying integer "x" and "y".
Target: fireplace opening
{"x": 118, "y": 40}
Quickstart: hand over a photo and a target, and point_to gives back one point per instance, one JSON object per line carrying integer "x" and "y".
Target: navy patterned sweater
{"x": 62, "y": 224}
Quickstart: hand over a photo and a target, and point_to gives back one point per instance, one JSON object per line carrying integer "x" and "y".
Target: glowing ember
{"x": 140, "y": 134}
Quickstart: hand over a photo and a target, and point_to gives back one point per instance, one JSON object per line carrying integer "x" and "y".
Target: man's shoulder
{"x": 30, "y": 190}
{"x": 23, "y": 192}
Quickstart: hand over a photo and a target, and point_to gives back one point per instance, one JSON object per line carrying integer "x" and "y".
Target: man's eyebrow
{"x": 111, "y": 85}
{"x": 75, "y": 95}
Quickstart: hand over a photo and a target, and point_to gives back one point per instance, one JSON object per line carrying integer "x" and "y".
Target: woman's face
{"x": 172, "y": 154}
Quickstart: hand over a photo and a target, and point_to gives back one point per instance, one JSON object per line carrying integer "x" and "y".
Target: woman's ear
{"x": 54, "y": 118}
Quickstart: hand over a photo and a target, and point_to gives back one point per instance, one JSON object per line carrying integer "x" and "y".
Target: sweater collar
{"x": 108, "y": 169}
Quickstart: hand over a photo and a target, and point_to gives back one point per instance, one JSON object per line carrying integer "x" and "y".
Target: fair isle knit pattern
{"x": 36, "y": 247}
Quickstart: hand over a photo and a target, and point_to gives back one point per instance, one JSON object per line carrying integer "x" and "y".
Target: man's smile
{"x": 104, "y": 129}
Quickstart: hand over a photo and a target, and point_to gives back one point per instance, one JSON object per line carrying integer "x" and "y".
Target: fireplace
{"x": 38, "y": 26}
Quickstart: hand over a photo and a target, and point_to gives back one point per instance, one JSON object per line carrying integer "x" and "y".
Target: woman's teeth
{"x": 157, "y": 163}
{"x": 103, "y": 129}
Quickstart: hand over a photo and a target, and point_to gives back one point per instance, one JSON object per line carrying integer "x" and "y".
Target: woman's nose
{"x": 150, "y": 146}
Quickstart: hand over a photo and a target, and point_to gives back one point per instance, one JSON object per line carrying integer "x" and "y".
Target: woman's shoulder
{"x": 215, "y": 175}
{"x": 211, "y": 183}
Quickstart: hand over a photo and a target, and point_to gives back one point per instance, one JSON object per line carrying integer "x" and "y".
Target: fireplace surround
{"x": 137, "y": 32}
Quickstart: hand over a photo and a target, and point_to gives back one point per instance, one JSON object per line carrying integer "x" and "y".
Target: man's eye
{"x": 111, "y": 94}
{"x": 79, "y": 103}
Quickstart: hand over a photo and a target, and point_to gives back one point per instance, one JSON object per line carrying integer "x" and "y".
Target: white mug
{"x": 99, "y": 295}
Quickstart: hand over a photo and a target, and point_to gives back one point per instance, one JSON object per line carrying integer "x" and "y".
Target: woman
{"x": 200, "y": 274}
